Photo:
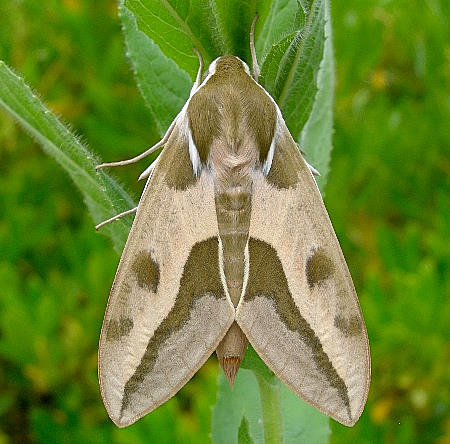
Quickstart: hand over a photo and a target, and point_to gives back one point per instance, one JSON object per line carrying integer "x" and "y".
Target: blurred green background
{"x": 388, "y": 197}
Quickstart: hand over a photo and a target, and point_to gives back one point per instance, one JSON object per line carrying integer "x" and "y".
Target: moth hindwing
{"x": 232, "y": 243}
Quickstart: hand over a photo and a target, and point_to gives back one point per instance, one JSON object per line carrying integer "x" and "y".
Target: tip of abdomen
{"x": 231, "y": 350}
{"x": 230, "y": 366}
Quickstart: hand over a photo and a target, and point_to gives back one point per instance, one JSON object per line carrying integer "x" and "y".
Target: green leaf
{"x": 270, "y": 71}
{"x": 283, "y": 18}
{"x": 231, "y": 406}
{"x": 215, "y": 28}
{"x": 244, "y": 436}
{"x": 253, "y": 362}
{"x": 272, "y": 415}
{"x": 306, "y": 5}
{"x": 102, "y": 195}
{"x": 234, "y": 18}
{"x": 164, "y": 86}
{"x": 177, "y": 26}
{"x": 294, "y": 79}
{"x": 300, "y": 422}
{"x": 299, "y": 73}
{"x": 316, "y": 135}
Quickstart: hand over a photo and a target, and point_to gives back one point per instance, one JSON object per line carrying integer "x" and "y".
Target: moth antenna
{"x": 117, "y": 216}
{"x": 255, "y": 67}
{"x": 162, "y": 142}
{"x": 198, "y": 79}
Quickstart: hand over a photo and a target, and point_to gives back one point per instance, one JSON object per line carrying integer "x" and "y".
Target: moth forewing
{"x": 232, "y": 243}
{"x": 300, "y": 310}
{"x": 167, "y": 310}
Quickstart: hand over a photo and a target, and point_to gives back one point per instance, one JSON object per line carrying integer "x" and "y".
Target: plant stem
{"x": 271, "y": 409}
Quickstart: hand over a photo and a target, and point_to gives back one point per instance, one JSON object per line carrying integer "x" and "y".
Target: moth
{"x": 231, "y": 244}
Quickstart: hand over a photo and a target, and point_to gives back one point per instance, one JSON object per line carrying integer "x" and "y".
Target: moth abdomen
{"x": 233, "y": 209}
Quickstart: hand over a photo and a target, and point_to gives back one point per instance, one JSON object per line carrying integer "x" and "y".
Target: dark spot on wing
{"x": 351, "y": 326}
{"x": 117, "y": 329}
{"x": 146, "y": 271}
{"x": 267, "y": 279}
{"x": 319, "y": 267}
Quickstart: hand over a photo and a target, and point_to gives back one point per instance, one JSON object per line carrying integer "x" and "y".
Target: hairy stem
{"x": 270, "y": 393}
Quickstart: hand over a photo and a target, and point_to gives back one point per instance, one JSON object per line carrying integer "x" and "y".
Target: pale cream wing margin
{"x": 167, "y": 310}
{"x": 300, "y": 311}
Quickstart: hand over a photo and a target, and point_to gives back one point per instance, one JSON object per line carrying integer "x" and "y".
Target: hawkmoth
{"x": 231, "y": 244}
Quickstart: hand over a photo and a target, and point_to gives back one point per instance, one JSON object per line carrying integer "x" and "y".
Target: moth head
{"x": 226, "y": 66}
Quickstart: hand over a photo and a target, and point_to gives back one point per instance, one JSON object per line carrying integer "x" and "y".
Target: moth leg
{"x": 149, "y": 170}
{"x": 145, "y": 153}
{"x": 198, "y": 79}
{"x": 312, "y": 169}
{"x": 302, "y": 151}
{"x": 256, "y": 70}
{"x": 314, "y": 172}
{"x": 117, "y": 216}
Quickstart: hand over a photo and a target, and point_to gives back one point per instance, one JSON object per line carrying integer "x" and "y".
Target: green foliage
{"x": 101, "y": 193}
{"x": 387, "y": 196}
{"x": 296, "y": 421}
{"x": 244, "y": 436}
{"x": 164, "y": 86}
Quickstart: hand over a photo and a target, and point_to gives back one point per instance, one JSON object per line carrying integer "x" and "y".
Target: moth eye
{"x": 319, "y": 267}
{"x": 117, "y": 329}
{"x": 146, "y": 271}
{"x": 351, "y": 326}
